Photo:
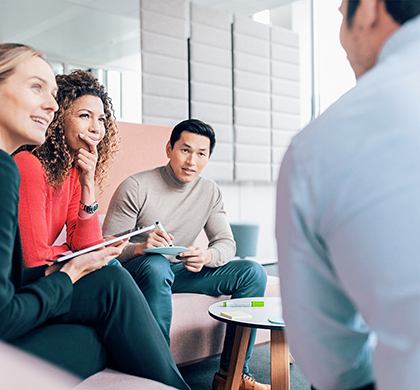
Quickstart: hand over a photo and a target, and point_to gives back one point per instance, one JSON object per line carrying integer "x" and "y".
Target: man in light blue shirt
{"x": 348, "y": 214}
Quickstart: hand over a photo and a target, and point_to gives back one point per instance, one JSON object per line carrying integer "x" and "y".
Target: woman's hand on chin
{"x": 86, "y": 160}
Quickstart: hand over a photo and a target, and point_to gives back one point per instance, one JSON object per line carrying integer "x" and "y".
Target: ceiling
{"x": 243, "y": 7}
{"x": 93, "y": 32}
{"x": 130, "y": 8}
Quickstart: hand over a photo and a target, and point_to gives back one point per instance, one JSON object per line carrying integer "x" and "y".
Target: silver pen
{"x": 160, "y": 226}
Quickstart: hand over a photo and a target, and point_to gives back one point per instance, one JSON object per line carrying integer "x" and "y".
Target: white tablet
{"x": 118, "y": 237}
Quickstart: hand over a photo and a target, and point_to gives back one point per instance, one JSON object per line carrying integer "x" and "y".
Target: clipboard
{"x": 167, "y": 250}
{"x": 119, "y": 237}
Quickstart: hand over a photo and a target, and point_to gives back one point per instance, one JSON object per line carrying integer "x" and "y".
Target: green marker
{"x": 243, "y": 304}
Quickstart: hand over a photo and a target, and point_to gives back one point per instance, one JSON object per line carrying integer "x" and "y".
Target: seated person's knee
{"x": 153, "y": 268}
{"x": 256, "y": 270}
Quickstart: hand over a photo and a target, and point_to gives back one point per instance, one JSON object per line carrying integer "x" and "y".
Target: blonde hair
{"x": 12, "y": 54}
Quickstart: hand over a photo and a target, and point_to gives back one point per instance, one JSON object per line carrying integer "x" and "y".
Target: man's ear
{"x": 368, "y": 14}
{"x": 168, "y": 149}
{"x": 373, "y": 17}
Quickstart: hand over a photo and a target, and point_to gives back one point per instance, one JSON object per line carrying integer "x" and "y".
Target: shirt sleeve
{"x": 30, "y": 275}
{"x": 23, "y": 308}
{"x": 221, "y": 243}
{"x": 122, "y": 213}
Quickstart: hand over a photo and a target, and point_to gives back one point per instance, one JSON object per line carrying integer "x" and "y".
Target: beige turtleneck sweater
{"x": 184, "y": 209}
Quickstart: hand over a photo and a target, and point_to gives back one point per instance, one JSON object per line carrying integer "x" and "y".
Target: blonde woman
{"x": 78, "y": 315}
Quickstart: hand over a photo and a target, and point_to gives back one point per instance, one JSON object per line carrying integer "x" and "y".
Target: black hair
{"x": 400, "y": 10}
{"x": 351, "y": 11}
{"x": 193, "y": 126}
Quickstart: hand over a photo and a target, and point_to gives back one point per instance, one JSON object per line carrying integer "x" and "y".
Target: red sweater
{"x": 43, "y": 212}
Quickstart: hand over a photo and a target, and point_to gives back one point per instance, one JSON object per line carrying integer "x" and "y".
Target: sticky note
{"x": 236, "y": 315}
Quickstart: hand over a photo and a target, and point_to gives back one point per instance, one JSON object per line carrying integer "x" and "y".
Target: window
{"x": 110, "y": 79}
{"x": 325, "y": 73}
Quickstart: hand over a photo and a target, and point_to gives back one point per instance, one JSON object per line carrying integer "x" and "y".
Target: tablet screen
{"x": 118, "y": 237}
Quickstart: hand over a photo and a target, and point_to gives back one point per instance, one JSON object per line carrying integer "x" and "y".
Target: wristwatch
{"x": 89, "y": 209}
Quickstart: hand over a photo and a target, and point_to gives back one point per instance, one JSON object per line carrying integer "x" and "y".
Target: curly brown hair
{"x": 54, "y": 153}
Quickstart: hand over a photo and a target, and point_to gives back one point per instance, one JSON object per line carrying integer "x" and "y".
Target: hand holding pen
{"x": 156, "y": 238}
{"x": 161, "y": 228}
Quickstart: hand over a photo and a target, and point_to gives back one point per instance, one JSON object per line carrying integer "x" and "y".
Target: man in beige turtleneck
{"x": 185, "y": 203}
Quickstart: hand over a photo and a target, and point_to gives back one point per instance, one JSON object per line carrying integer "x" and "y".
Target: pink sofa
{"x": 195, "y": 336}
{"x": 21, "y": 371}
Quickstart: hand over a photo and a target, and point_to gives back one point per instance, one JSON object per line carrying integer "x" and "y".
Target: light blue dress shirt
{"x": 348, "y": 230}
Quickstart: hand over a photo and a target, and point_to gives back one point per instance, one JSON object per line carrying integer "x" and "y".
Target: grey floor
{"x": 200, "y": 375}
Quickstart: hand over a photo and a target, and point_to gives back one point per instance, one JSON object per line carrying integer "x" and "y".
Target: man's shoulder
{"x": 345, "y": 117}
{"x": 208, "y": 189}
{"x": 206, "y": 183}
{"x": 360, "y": 113}
{"x": 150, "y": 174}
{"x": 133, "y": 183}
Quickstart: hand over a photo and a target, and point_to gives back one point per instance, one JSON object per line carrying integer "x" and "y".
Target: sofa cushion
{"x": 194, "y": 334}
{"x": 113, "y": 380}
{"x": 21, "y": 370}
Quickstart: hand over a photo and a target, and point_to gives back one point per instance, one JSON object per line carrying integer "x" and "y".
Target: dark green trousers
{"x": 110, "y": 323}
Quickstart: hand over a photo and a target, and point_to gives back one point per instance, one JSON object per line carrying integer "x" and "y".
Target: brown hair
{"x": 54, "y": 153}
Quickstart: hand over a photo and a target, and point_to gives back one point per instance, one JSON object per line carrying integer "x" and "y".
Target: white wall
{"x": 211, "y": 82}
{"x": 164, "y": 56}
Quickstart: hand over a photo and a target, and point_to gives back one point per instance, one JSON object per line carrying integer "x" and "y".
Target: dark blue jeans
{"x": 158, "y": 279}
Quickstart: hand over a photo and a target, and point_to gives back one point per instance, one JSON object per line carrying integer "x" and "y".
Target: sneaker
{"x": 247, "y": 383}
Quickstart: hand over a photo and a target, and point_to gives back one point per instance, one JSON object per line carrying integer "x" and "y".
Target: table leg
{"x": 280, "y": 370}
{"x": 237, "y": 359}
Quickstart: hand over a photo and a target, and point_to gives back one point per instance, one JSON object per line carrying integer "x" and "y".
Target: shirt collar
{"x": 408, "y": 32}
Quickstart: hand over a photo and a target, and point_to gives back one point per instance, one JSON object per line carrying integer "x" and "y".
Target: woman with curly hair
{"x": 58, "y": 178}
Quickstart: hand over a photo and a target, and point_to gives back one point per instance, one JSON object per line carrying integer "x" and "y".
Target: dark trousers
{"x": 109, "y": 322}
{"x": 368, "y": 387}
{"x": 158, "y": 279}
